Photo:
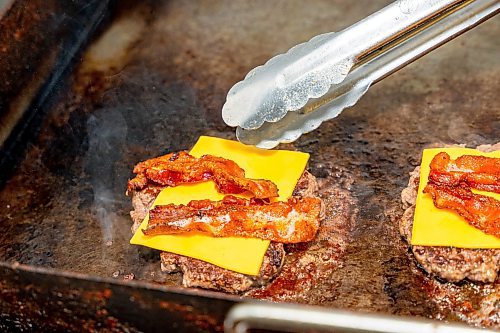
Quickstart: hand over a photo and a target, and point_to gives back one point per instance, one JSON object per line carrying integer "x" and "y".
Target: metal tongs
{"x": 293, "y": 93}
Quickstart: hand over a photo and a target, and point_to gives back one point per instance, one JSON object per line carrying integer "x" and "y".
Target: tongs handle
{"x": 294, "y": 318}
{"x": 392, "y": 22}
{"x": 367, "y": 35}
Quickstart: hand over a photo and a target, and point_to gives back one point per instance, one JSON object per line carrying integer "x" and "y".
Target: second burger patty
{"x": 198, "y": 273}
{"x": 448, "y": 263}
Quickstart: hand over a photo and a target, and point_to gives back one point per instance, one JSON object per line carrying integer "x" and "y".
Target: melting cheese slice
{"x": 444, "y": 227}
{"x": 242, "y": 255}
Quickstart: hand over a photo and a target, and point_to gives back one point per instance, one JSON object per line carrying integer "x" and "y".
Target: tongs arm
{"x": 331, "y": 72}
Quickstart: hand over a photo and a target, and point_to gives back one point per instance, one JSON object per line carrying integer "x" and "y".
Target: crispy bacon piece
{"x": 286, "y": 222}
{"x": 480, "y": 211}
{"x": 181, "y": 168}
{"x": 480, "y": 172}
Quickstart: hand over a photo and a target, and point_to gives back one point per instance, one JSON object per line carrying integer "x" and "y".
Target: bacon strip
{"x": 480, "y": 211}
{"x": 181, "y": 168}
{"x": 287, "y": 222}
{"x": 480, "y": 172}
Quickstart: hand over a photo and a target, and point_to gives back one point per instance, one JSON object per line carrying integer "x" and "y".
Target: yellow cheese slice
{"x": 444, "y": 227}
{"x": 242, "y": 255}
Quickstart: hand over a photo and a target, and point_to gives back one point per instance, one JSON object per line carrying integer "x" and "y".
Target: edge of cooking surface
{"x": 34, "y": 298}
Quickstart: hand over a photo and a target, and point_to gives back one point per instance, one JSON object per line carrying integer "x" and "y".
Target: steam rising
{"x": 141, "y": 117}
{"x": 107, "y": 131}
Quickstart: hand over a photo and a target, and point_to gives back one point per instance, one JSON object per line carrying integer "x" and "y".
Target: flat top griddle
{"x": 155, "y": 78}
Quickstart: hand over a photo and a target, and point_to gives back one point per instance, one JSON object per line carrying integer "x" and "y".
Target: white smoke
{"x": 107, "y": 131}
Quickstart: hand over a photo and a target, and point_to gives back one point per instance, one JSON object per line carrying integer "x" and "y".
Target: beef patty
{"x": 198, "y": 273}
{"x": 448, "y": 263}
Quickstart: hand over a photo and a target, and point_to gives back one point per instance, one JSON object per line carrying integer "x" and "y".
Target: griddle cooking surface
{"x": 156, "y": 79}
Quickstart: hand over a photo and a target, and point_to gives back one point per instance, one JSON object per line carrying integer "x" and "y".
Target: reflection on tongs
{"x": 293, "y": 93}
{"x": 245, "y": 317}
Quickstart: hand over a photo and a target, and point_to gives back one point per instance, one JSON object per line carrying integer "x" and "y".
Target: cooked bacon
{"x": 480, "y": 211}
{"x": 181, "y": 168}
{"x": 478, "y": 172}
{"x": 286, "y": 222}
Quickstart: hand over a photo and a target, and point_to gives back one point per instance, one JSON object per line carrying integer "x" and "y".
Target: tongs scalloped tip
{"x": 285, "y": 83}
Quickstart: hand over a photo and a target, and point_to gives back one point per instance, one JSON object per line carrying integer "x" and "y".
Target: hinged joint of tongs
{"x": 318, "y": 79}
